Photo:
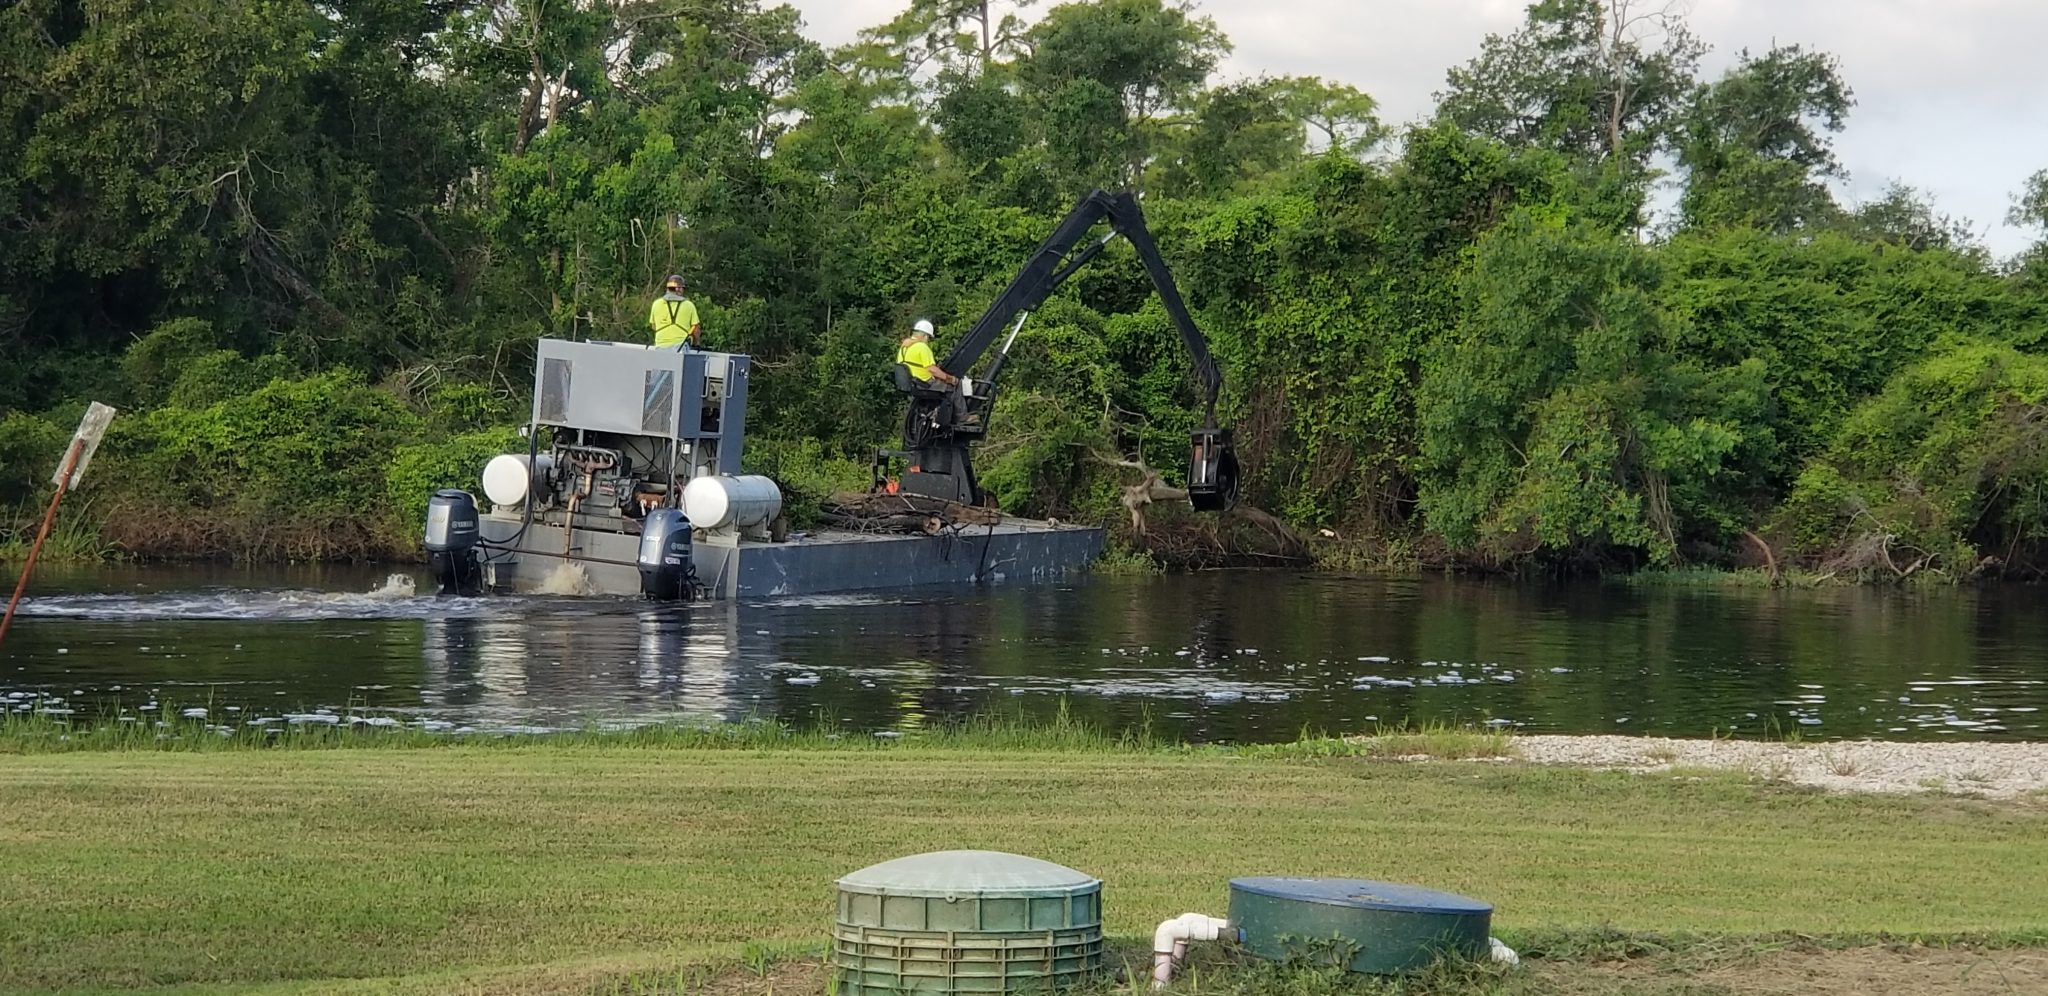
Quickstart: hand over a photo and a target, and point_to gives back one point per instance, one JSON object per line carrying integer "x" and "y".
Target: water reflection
{"x": 1221, "y": 657}
{"x": 691, "y": 657}
{"x": 575, "y": 666}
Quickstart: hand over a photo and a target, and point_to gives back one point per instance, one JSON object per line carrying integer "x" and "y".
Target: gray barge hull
{"x": 1013, "y": 551}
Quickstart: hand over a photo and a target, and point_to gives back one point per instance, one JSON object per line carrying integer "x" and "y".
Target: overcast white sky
{"x": 1947, "y": 96}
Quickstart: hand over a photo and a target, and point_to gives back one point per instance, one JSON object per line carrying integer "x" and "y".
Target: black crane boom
{"x": 1050, "y": 266}
{"x": 941, "y": 466}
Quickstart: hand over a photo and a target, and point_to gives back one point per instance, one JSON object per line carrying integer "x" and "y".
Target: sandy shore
{"x": 1994, "y": 770}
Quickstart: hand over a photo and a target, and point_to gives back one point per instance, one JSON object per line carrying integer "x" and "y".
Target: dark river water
{"x": 1217, "y": 657}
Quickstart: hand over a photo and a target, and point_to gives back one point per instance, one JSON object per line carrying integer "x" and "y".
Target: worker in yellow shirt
{"x": 674, "y": 318}
{"x": 915, "y": 353}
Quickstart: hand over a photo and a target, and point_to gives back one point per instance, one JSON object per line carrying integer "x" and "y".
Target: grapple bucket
{"x": 1212, "y": 470}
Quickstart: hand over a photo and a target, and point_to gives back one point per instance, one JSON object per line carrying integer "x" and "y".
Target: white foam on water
{"x": 836, "y": 600}
{"x": 396, "y": 597}
{"x": 395, "y": 586}
{"x": 566, "y": 579}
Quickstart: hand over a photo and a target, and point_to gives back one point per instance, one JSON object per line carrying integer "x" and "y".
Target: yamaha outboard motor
{"x": 452, "y": 539}
{"x": 1212, "y": 470}
{"x": 666, "y": 573}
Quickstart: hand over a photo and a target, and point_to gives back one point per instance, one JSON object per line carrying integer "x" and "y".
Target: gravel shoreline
{"x": 1992, "y": 770}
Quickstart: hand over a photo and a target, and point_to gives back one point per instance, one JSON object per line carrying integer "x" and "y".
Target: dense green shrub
{"x": 30, "y": 449}
{"x": 295, "y": 467}
{"x": 417, "y": 470}
{"x": 1945, "y": 467}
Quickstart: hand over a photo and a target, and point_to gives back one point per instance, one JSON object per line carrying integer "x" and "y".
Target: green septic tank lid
{"x": 968, "y": 873}
{"x": 1363, "y": 894}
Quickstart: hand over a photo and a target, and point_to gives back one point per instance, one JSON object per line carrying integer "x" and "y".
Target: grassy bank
{"x": 168, "y": 728}
{"x": 596, "y": 865}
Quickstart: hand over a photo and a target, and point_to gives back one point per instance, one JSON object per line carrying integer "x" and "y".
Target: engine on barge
{"x": 642, "y": 445}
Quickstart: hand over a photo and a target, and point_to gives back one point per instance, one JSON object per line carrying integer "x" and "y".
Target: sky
{"x": 1947, "y": 99}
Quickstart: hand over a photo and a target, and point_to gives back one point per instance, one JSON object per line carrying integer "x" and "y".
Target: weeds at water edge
{"x": 214, "y": 727}
{"x": 74, "y": 538}
{"x": 1437, "y": 740}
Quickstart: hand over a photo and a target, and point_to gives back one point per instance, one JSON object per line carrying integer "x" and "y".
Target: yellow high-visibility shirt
{"x": 917, "y": 355}
{"x": 671, "y": 320}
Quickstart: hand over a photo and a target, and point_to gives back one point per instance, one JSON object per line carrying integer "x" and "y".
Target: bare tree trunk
{"x": 529, "y": 109}
{"x": 988, "y": 54}
{"x": 555, "y": 292}
{"x": 1617, "y": 24}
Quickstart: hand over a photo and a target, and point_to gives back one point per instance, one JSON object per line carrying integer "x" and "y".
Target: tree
{"x": 2030, "y": 205}
{"x": 1600, "y": 80}
{"x": 2029, "y": 210}
{"x": 967, "y": 37}
{"x": 1753, "y": 145}
{"x": 981, "y": 119}
{"x": 1104, "y": 72}
{"x": 1555, "y": 419}
{"x": 1238, "y": 132}
{"x": 282, "y": 170}
{"x": 1905, "y": 217}
{"x": 1345, "y": 118}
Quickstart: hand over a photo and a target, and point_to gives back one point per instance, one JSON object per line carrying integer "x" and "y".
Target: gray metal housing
{"x": 695, "y": 399}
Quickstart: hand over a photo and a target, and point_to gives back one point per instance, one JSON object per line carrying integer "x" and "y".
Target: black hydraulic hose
{"x": 987, "y": 538}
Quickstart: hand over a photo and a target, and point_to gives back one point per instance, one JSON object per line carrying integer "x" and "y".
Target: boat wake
{"x": 397, "y": 597}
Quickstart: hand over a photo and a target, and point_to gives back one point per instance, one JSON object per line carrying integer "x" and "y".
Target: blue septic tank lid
{"x": 1363, "y": 894}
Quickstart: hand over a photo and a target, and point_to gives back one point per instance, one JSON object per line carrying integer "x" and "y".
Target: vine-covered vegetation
{"x": 307, "y": 249}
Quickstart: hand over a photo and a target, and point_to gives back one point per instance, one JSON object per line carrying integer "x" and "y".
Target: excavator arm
{"x": 1212, "y": 465}
{"x": 1051, "y": 265}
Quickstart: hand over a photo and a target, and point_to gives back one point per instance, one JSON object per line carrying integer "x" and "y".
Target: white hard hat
{"x": 923, "y": 326}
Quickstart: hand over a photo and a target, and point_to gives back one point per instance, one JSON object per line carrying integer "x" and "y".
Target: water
{"x": 1221, "y": 657}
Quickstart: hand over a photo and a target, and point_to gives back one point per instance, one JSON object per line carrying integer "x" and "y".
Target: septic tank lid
{"x": 956, "y": 873}
{"x": 1363, "y": 894}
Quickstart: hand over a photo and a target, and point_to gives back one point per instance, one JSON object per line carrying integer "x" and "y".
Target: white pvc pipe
{"x": 1170, "y": 942}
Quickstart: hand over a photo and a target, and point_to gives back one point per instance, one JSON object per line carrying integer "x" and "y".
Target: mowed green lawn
{"x": 137, "y": 869}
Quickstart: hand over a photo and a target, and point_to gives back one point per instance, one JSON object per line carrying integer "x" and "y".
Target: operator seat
{"x": 911, "y": 385}
{"x": 927, "y": 407}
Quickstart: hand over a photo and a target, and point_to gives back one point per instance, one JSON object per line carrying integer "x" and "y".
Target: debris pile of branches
{"x": 899, "y": 513}
{"x": 1182, "y": 539}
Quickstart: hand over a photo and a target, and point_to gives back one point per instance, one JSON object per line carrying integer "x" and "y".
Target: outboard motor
{"x": 1212, "y": 470}
{"x": 452, "y": 538}
{"x": 666, "y": 573}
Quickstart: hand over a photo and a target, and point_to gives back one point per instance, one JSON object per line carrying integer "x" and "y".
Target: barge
{"x": 640, "y": 488}
{"x": 632, "y": 485}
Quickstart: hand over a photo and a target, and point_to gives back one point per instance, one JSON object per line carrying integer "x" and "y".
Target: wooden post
{"x": 76, "y": 456}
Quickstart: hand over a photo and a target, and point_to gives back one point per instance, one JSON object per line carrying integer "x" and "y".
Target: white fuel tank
{"x": 731, "y": 502}
{"x": 507, "y": 481}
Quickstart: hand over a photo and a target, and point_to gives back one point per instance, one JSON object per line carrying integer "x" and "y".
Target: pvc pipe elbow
{"x": 1187, "y": 927}
{"x": 1170, "y": 942}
